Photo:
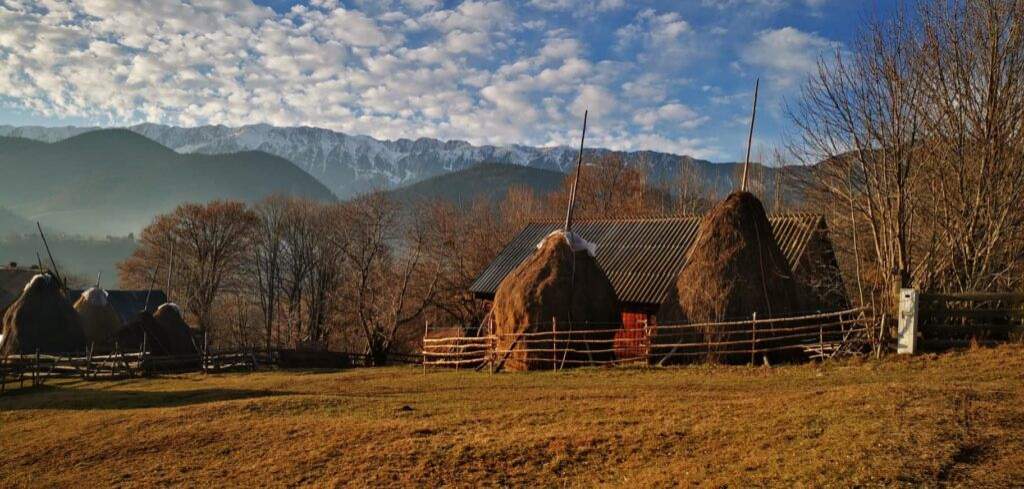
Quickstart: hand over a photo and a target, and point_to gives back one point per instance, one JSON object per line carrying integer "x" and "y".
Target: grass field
{"x": 954, "y": 419}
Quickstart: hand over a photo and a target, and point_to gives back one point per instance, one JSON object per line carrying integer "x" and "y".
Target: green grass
{"x": 955, "y": 419}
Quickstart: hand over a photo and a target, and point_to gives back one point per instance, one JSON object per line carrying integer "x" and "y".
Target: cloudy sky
{"x": 672, "y": 76}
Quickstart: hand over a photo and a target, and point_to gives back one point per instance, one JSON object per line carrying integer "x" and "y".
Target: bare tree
{"x": 266, "y": 260}
{"x": 859, "y": 114}
{"x": 209, "y": 243}
{"x": 386, "y": 287}
{"x": 971, "y": 58}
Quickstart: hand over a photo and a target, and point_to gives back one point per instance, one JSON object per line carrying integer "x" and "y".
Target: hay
{"x": 100, "y": 321}
{"x": 179, "y": 335}
{"x": 160, "y": 339}
{"x": 735, "y": 269}
{"x": 555, "y": 282}
{"x": 41, "y": 320}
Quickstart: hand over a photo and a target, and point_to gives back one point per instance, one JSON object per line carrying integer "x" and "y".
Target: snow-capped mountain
{"x": 349, "y": 164}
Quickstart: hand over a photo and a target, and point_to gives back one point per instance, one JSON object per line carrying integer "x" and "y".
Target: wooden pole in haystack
{"x": 170, "y": 268}
{"x": 53, "y": 263}
{"x": 750, "y": 137}
{"x": 576, "y": 180}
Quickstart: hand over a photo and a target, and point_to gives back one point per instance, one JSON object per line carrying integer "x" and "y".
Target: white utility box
{"x": 906, "y": 336}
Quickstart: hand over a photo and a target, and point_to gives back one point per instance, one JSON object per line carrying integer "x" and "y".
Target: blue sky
{"x": 671, "y": 76}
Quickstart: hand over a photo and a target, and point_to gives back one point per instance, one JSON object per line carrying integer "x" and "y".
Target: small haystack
{"x": 561, "y": 281}
{"x": 735, "y": 269}
{"x": 41, "y": 320}
{"x": 100, "y": 320}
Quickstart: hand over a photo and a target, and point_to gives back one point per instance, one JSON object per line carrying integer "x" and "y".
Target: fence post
{"x": 554, "y": 346}
{"x": 88, "y": 361}
{"x": 423, "y": 351}
{"x": 753, "y": 341}
{"x": 821, "y": 341}
{"x": 206, "y": 347}
{"x": 35, "y": 371}
{"x": 493, "y": 342}
{"x": 142, "y": 355}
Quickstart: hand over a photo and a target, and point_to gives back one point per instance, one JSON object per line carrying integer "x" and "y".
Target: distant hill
{"x": 112, "y": 182}
{"x": 490, "y": 181}
{"x": 13, "y": 224}
{"x": 77, "y": 257}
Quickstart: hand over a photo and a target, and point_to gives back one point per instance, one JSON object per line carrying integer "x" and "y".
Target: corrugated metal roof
{"x": 640, "y": 256}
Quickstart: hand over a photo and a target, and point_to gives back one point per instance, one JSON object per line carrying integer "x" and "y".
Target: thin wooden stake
{"x": 753, "y": 343}
{"x": 493, "y": 342}
{"x": 576, "y": 181}
{"x": 554, "y": 346}
{"x": 750, "y": 136}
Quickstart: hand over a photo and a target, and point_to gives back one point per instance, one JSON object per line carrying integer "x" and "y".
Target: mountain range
{"x": 352, "y": 164}
{"x": 113, "y": 181}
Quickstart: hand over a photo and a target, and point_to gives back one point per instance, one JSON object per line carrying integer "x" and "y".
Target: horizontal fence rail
{"x": 36, "y": 369}
{"x": 812, "y": 336}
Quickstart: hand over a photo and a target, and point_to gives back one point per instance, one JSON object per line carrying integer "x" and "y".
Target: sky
{"x": 673, "y": 76}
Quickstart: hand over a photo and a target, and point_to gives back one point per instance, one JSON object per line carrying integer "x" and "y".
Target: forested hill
{"x": 112, "y": 182}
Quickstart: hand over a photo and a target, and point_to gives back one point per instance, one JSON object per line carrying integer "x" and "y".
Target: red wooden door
{"x": 631, "y": 342}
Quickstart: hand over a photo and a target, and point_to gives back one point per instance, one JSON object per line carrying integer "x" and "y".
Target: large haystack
{"x": 100, "y": 320}
{"x": 735, "y": 269}
{"x": 41, "y": 320}
{"x": 560, "y": 281}
{"x": 161, "y": 337}
{"x": 174, "y": 325}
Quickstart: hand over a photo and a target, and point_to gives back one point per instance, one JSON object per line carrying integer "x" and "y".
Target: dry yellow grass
{"x": 955, "y": 419}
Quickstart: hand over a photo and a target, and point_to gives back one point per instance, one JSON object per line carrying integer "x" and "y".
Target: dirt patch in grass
{"x": 953, "y": 419}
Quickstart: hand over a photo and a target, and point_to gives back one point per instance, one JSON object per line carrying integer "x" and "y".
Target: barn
{"x": 642, "y": 257}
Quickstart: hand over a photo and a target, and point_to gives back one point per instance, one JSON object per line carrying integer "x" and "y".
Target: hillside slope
{"x": 952, "y": 420}
{"x": 489, "y": 181}
{"x": 114, "y": 181}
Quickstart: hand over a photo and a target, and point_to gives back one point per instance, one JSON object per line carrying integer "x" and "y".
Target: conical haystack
{"x": 41, "y": 320}
{"x": 560, "y": 286}
{"x": 161, "y": 337}
{"x": 179, "y": 335}
{"x": 735, "y": 269}
{"x": 100, "y": 321}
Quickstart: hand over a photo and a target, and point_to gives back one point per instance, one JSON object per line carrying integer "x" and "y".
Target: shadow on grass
{"x": 78, "y": 399}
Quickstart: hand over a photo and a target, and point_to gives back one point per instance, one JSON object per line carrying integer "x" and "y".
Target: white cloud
{"x": 578, "y": 6}
{"x": 664, "y": 41}
{"x": 786, "y": 55}
{"x": 477, "y": 70}
{"x": 673, "y": 113}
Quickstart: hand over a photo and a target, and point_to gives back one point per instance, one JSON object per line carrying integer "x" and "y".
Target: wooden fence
{"x": 960, "y": 319}
{"x": 35, "y": 369}
{"x": 816, "y": 336}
